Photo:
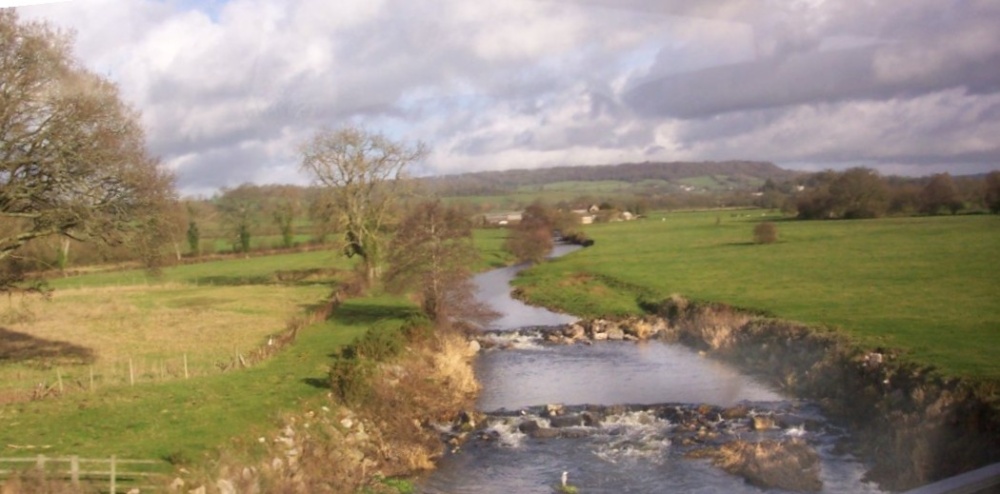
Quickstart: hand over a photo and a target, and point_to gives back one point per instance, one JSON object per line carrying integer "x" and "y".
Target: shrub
{"x": 379, "y": 343}
{"x": 350, "y": 379}
{"x": 765, "y": 233}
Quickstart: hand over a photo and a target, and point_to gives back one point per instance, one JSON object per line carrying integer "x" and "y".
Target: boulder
{"x": 762, "y": 423}
{"x": 616, "y": 334}
{"x": 474, "y": 346}
{"x": 566, "y": 421}
{"x": 574, "y": 332}
{"x": 528, "y": 426}
{"x": 640, "y": 329}
{"x": 736, "y": 412}
{"x": 545, "y": 433}
{"x": 790, "y": 465}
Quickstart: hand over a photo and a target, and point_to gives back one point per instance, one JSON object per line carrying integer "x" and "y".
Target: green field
{"x": 206, "y": 312}
{"x": 929, "y": 286}
{"x": 188, "y": 419}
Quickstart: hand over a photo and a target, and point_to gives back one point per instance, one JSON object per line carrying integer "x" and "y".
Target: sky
{"x": 229, "y": 89}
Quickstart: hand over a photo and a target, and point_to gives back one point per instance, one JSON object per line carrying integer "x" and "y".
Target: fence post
{"x": 74, "y": 470}
{"x": 40, "y": 463}
{"x": 131, "y": 373}
{"x": 185, "y": 366}
{"x": 114, "y": 475}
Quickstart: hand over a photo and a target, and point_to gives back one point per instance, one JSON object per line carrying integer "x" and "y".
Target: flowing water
{"x": 632, "y": 411}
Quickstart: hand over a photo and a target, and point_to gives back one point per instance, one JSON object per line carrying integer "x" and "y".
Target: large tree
{"x": 240, "y": 208}
{"x": 432, "y": 252}
{"x": 73, "y": 161}
{"x": 859, "y": 193}
{"x": 363, "y": 173}
{"x": 940, "y": 193}
{"x": 992, "y": 191}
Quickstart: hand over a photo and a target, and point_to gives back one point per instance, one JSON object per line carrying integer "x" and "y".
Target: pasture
{"x": 928, "y": 286}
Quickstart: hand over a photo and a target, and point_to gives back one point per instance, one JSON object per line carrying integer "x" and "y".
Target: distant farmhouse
{"x": 587, "y": 216}
{"x": 502, "y": 219}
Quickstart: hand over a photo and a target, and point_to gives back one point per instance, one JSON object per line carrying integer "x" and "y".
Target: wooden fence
{"x": 119, "y": 475}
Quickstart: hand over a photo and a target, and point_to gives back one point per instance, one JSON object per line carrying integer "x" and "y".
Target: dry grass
{"x": 99, "y": 330}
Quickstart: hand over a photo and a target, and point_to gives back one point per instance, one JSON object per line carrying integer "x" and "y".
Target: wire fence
{"x": 112, "y": 474}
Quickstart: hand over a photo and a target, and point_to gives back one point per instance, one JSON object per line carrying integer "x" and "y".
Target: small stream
{"x": 640, "y": 406}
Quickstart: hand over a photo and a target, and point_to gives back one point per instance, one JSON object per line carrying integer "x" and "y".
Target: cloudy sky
{"x": 227, "y": 89}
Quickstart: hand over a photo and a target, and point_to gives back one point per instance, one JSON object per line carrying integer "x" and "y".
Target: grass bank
{"x": 927, "y": 286}
{"x": 185, "y": 420}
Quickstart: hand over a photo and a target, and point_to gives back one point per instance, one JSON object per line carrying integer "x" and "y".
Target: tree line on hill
{"x": 863, "y": 193}
{"x": 507, "y": 181}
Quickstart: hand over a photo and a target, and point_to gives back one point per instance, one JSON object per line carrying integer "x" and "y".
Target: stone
{"x": 177, "y": 484}
{"x": 762, "y": 423}
{"x": 736, "y": 412}
{"x": 640, "y": 329}
{"x": 225, "y": 486}
{"x": 574, "y": 433}
{"x": 474, "y": 346}
{"x": 544, "y": 433}
{"x": 553, "y": 409}
{"x": 616, "y": 334}
{"x": 528, "y": 426}
{"x": 574, "y": 332}
{"x": 198, "y": 490}
{"x": 566, "y": 421}
{"x": 791, "y": 465}
{"x": 600, "y": 336}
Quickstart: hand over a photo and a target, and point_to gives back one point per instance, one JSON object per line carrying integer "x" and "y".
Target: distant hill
{"x": 725, "y": 174}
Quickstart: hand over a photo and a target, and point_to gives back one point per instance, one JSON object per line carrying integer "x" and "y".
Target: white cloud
{"x": 227, "y": 92}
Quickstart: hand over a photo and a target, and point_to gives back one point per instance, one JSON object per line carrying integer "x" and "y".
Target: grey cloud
{"x": 913, "y": 50}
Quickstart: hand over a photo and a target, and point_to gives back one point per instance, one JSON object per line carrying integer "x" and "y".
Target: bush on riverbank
{"x": 384, "y": 430}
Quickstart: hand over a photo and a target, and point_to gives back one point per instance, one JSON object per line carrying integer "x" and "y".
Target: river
{"x": 635, "y": 396}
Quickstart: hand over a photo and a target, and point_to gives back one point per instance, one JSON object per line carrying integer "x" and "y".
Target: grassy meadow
{"x": 205, "y": 313}
{"x": 98, "y": 325}
{"x": 928, "y": 286}
{"x": 183, "y": 420}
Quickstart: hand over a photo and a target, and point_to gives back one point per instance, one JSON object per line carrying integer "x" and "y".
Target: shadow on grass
{"x": 22, "y": 347}
{"x": 317, "y": 382}
{"x": 356, "y": 312}
{"x": 279, "y": 278}
{"x": 234, "y": 280}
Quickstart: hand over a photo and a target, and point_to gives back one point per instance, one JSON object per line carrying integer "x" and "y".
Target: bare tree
{"x": 532, "y": 238}
{"x": 72, "y": 155}
{"x": 433, "y": 252}
{"x": 363, "y": 172}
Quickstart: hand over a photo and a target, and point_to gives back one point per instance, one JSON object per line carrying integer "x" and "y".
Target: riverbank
{"x": 370, "y": 445}
{"x": 908, "y": 423}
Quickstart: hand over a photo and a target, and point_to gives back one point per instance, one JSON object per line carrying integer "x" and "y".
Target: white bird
{"x": 565, "y": 477}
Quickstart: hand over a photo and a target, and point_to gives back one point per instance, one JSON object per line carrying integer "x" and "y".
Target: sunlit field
{"x": 926, "y": 285}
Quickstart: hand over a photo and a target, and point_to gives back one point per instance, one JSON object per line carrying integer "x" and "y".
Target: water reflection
{"x": 493, "y": 288}
{"x": 610, "y": 373}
